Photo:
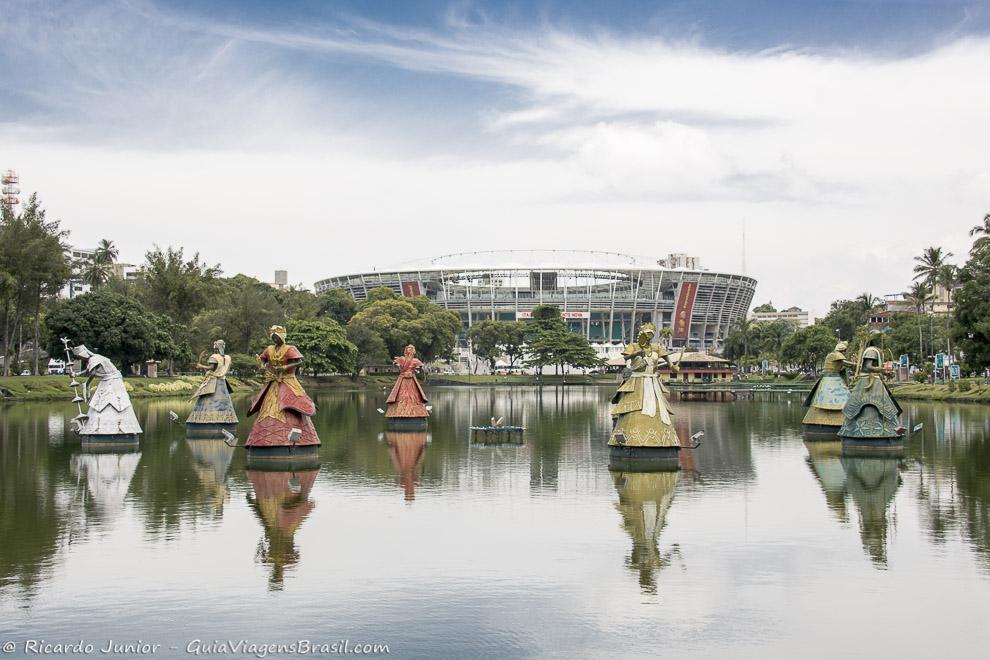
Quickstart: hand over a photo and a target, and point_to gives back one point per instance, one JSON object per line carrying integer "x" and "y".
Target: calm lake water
{"x": 761, "y": 546}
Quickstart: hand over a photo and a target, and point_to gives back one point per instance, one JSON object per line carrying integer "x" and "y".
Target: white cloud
{"x": 844, "y": 165}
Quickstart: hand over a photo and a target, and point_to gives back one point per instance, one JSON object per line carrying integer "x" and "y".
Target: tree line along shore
{"x": 177, "y": 305}
{"x": 56, "y": 388}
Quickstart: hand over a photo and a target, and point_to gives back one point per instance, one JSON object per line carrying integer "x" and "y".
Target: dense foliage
{"x": 113, "y": 325}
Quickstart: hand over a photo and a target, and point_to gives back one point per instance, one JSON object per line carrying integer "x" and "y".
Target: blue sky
{"x": 847, "y": 135}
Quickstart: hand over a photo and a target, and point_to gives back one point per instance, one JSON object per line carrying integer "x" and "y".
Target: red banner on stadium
{"x": 683, "y": 310}
{"x": 410, "y": 289}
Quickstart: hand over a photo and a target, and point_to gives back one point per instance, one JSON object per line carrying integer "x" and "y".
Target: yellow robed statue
{"x": 640, "y": 404}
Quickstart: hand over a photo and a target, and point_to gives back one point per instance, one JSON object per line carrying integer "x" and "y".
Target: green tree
{"x": 920, "y": 296}
{"x": 240, "y": 313}
{"x": 982, "y": 232}
{"x": 377, "y": 295}
{"x": 844, "y": 316}
{"x": 371, "y": 349}
{"x": 808, "y": 346}
{"x": 298, "y": 304}
{"x": 399, "y": 321}
{"x": 513, "y": 340}
{"x": 972, "y": 310}
{"x": 324, "y": 345}
{"x": 765, "y": 307}
{"x": 109, "y": 323}
{"x": 98, "y": 270}
{"x": 549, "y": 342}
{"x": 33, "y": 266}
{"x": 336, "y": 304}
{"x": 737, "y": 342}
{"x": 929, "y": 264}
{"x": 487, "y": 339}
{"x": 175, "y": 286}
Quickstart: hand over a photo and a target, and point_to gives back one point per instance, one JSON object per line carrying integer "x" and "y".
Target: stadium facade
{"x": 603, "y": 295}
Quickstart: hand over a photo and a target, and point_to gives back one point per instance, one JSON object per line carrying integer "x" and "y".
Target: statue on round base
{"x": 214, "y": 409}
{"x": 828, "y": 396}
{"x": 283, "y": 428}
{"x": 871, "y": 416}
{"x": 643, "y": 428}
{"x": 406, "y": 403}
{"x": 109, "y": 418}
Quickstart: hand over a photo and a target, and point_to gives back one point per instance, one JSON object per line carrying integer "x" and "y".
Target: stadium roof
{"x": 523, "y": 259}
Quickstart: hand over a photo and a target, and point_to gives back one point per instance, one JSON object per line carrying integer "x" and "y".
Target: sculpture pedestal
{"x": 643, "y": 459}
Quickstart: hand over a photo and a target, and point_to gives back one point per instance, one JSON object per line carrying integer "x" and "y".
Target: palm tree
{"x": 983, "y": 242}
{"x": 927, "y": 269}
{"x": 106, "y": 252}
{"x": 948, "y": 278}
{"x": 929, "y": 263}
{"x": 98, "y": 269}
{"x": 919, "y": 296}
{"x": 868, "y": 302}
{"x": 743, "y": 329}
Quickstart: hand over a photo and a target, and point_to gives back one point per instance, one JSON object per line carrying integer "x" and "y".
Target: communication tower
{"x": 10, "y": 189}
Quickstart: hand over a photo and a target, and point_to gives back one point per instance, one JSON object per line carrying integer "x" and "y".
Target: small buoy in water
{"x": 172, "y": 415}
{"x": 917, "y": 427}
{"x": 380, "y": 410}
{"x": 229, "y": 438}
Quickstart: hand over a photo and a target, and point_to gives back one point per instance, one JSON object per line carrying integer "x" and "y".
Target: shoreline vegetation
{"x": 56, "y": 388}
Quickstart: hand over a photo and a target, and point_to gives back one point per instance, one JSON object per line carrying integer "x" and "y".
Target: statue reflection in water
{"x": 281, "y": 500}
{"x": 644, "y": 499}
{"x": 407, "y": 449}
{"x": 872, "y": 484}
{"x": 211, "y": 460}
{"x": 824, "y": 459}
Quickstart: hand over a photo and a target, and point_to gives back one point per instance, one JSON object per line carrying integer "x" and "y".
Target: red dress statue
{"x": 407, "y": 400}
{"x": 282, "y": 404}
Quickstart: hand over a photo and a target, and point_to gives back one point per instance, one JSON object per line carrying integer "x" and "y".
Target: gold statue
{"x": 640, "y": 404}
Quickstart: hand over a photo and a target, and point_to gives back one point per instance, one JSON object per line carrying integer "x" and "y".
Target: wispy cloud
{"x": 816, "y": 148}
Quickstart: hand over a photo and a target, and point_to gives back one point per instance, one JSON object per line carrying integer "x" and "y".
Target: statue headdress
{"x": 647, "y": 329}
{"x": 81, "y": 351}
{"x": 277, "y": 330}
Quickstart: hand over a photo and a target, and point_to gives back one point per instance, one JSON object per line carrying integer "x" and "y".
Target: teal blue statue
{"x": 871, "y": 412}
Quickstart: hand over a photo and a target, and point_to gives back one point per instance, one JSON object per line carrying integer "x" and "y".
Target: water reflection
{"x": 211, "y": 460}
{"x": 407, "y": 448}
{"x": 506, "y": 529}
{"x": 108, "y": 477}
{"x": 824, "y": 462}
{"x": 281, "y": 500}
{"x": 644, "y": 499}
{"x": 872, "y": 484}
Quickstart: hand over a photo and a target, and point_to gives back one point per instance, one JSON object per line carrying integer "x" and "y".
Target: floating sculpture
{"x": 644, "y": 429}
{"x": 109, "y": 419}
{"x": 283, "y": 428}
{"x": 213, "y": 410}
{"x": 871, "y": 416}
{"x": 829, "y": 395}
{"x": 406, "y": 403}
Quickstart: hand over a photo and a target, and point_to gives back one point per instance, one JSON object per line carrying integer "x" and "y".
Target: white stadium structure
{"x": 603, "y": 295}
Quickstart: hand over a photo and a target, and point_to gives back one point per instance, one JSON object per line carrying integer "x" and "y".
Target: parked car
{"x": 26, "y": 372}
{"x": 56, "y": 367}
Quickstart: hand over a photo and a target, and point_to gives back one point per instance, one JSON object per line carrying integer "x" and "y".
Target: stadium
{"x": 603, "y": 295}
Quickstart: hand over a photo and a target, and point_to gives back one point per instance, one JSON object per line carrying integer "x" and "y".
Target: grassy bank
{"x": 52, "y": 388}
{"x": 977, "y": 392}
